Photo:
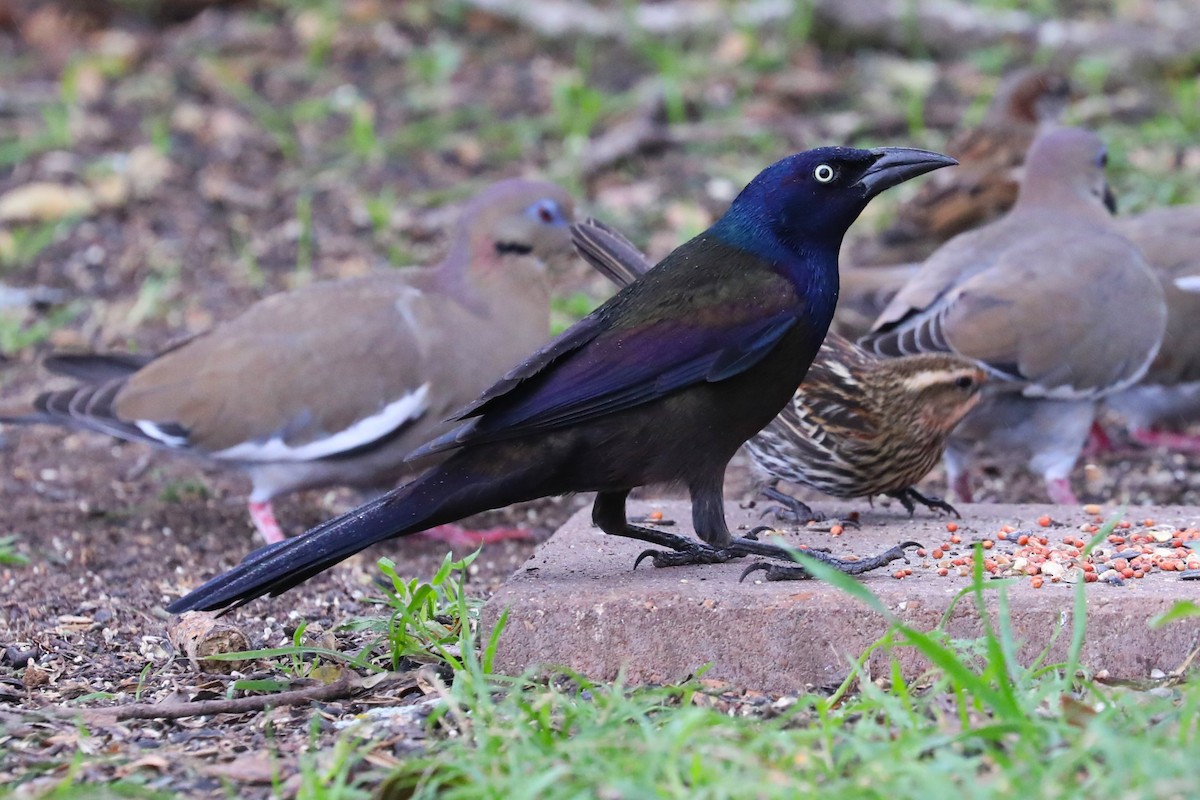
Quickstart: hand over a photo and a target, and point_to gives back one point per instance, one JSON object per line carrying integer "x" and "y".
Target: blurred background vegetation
{"x": 189, "y": 156}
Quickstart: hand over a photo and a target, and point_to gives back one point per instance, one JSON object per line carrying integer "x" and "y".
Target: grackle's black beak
{"x": 895, "y": 165}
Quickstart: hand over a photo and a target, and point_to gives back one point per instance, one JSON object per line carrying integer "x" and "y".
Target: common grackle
{"x": 858, "y": 426}
{"x": 662, "y": 383}
{"x": 335, "y": 383}
{"x": 1051, "y": 300}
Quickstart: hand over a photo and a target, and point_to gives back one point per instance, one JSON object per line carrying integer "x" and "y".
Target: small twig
{"x": 324, "y": 692}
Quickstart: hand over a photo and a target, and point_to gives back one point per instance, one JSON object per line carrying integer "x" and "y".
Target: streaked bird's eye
{"x": 965, "y": 382}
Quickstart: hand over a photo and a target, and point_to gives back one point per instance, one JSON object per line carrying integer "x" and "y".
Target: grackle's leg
{"x": 608, "y": 512}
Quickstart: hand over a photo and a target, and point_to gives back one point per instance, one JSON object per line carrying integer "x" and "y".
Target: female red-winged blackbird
{"x": 861, "y": 425}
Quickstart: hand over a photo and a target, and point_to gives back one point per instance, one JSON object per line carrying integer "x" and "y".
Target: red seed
{"x": 955, "y": 539}
{"x": 1036, "y": 581}
{"x": 943, "y": 571}
{"x": 952, "y": 527}
{"x": 1002, "y": 535}
{"x": 1127, "y": 573}
{"x": 1090, "y": 577}
{"x": 1044, "y": 521}
{"x": 1124, "y": 525}
{"x": 898, "y": 574}
{"x": 921, "y": 552}
{"x": 1149, "y": 522}
{"x": 836, "y": 530}
{"x": 938, "y": 553}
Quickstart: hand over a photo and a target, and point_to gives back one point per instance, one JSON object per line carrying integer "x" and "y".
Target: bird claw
{"x": 776, "y": 572}
{"x": 783, "y": 513}
{"x": 781, "y": 572}
{"x": 680, "y": 558}
{"x": 935, "y": 503}
{"x": 910, "y": 497}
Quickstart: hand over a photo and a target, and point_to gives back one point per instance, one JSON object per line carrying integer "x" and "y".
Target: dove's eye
{"x": 824, "y": 173}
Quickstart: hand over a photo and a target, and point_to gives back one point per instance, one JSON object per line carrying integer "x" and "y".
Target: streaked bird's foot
{"x": 910, "y": 496}
{"x": 781, "y": 572}
{"x": 789, "y": 509}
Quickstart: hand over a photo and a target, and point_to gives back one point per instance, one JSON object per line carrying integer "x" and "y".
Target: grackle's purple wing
{"x": 624, "y": 356}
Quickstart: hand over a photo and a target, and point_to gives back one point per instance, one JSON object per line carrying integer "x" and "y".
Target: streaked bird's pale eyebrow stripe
{"x": 923, "y": 380}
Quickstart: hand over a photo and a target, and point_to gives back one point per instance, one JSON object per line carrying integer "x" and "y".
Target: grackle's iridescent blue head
{"x": 809, "y": 200}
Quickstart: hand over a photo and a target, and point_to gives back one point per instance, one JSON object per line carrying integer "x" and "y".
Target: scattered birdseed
{"x": 1142, "y": 548}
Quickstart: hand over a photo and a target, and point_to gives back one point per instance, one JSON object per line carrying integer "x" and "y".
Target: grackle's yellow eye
{"x": 823, "y": 173}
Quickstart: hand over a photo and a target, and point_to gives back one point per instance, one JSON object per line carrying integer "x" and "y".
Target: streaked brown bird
{"x": 858, "y": 426}
{"x": 990, "y": 157}
{"x": 334, "y": 383}
{"x": 1057, "y": 306}
{"x": 1167, "y": 399}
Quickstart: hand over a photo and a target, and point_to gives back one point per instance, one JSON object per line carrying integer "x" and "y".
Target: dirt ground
{"x": 254, "y": 183}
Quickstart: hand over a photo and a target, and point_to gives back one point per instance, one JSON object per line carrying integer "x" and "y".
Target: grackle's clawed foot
{"x": 775, "y": 572}
{"x": 753, "y": 533}
{"x": 702, "y": 554}
{"x": 780, "y": 572}
{"x": 752, "y": 536}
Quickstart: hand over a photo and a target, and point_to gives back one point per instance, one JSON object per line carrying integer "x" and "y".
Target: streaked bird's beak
{"x": 895, "y": 165}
